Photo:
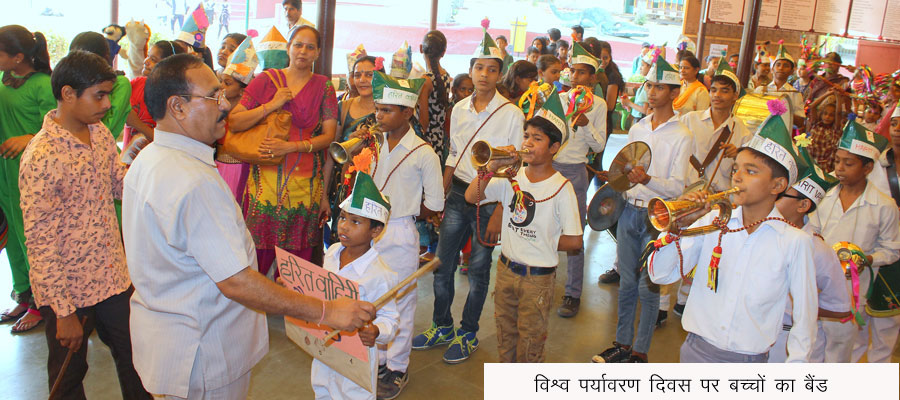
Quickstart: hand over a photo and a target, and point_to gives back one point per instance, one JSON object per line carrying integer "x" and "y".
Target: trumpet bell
{"x": 483, "y": 153}
{"x": 342, "y": 152}
{"x": 664, "y": 215}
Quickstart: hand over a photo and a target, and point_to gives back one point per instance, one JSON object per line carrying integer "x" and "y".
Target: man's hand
{"x": 729, "y": 150}
{"x": 69, "y": 332}
{"x": 347, "y": 314}
{"x": 638, "y": 175}
{"x": 14, "y": 146}
{"x": 494, "y": 226}
{"x": 368, "y": 334}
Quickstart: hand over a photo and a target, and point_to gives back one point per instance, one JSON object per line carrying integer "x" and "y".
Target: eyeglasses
{"x": 219, "y": 99}
{"x": 798, "y": 197}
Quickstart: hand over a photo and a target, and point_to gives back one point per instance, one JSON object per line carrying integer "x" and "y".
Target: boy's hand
{"x": 603, "y": 175}
{"x": 581, "y": 121}
{"x": 729, "y": 150}
{"x": 368, "y": 334}
{"x": 494, "y": 226}
{"x": 638, "y": 175}
{"x": 700, "y": 197}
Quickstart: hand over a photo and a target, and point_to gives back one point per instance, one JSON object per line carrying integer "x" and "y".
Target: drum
{"x": 885, "y": 291}
{"x": 753, "y": 110}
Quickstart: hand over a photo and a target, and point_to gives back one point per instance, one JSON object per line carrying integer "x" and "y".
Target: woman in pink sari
{"x": 286, "y": 203}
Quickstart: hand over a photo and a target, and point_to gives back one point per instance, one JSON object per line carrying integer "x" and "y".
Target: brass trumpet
{"x": 664, "y": 215}
{"x": 483, "y": 153}
{"x": 342, "y": 152}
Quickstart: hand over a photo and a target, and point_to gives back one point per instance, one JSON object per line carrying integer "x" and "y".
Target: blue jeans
{"x": 577, "y": 174}
{"x": 458, "y": 225}
{"x": 634, "y": 284}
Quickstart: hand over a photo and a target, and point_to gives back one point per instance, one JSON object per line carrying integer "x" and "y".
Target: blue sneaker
{"x": 462, "y": 346}
{"x": 434, "y": 336}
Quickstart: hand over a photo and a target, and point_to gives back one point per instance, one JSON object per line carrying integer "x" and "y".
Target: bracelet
{"x": 264, "y": 109}
{"x": 310, "y": 146}
{"x": 323, "y": 314}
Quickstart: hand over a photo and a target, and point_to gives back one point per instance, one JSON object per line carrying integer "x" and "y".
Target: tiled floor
{"x": 284, "y": 372}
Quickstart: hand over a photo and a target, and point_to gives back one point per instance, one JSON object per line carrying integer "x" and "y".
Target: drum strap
{"x": 892, "y": 177}
{"x": 713, "y": 152}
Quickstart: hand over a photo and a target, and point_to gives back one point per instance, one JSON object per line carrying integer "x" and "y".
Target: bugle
{"x": 664, "y": 215}
{"x": 483, "y": 153}
{"x": 342, "y": 152}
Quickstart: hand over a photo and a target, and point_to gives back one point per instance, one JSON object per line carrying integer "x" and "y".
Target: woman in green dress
{"x": 25, "y": 97}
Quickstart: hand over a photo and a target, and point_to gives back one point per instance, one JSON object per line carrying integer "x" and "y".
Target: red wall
{"x": 881, "y": 57}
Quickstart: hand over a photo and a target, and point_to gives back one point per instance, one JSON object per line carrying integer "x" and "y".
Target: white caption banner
{"x": 691, "y": 381}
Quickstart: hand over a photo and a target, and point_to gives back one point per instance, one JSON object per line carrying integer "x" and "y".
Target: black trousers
{"x": 110, "y": 318}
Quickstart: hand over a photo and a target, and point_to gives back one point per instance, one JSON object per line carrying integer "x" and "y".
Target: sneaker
{"x": 382, "y": 371}
{"x": 462, "y": 346}
{"x": 569, "y": 307}
{"x": 610, "y": 276}
{"x": 636, "y": 359}
{"x": 678, "y": 309}
{"x": 390, "y": 386}
{"x": 615, "y": 354}
{"x": 434, "y": 336}
{"x": 661, "y": 318}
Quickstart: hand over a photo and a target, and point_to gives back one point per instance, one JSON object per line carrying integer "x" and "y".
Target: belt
{"x": 639, "y": 203}
{"x": 524, "y": 270}
{"x": 460, "y": 182}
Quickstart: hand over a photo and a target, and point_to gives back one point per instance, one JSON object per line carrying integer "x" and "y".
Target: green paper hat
{"x": 366, "y": 200}
{"x": 783, "y": 54}
{"x": 725, "y": 69}
{"x": 774, "y": 140}
{"x": 194, "y": 25}
{"x": 552, "y": 111}
{"x": 662, "y": 72}
{"x": 814, "y": 182}
{"x": 402, "y": 92}
{"x": 582, "y": 56}
{"x": 272, "y": 51}
{"x": 861, "y": 141}
{"x": 488, "y": 48}
{"x": 243, "y": 62}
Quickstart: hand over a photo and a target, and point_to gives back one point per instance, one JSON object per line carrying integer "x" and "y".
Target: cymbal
{"x": 632, "y": 155}
{"x": 695, "y": 187}
{"x": 605, "y": 209}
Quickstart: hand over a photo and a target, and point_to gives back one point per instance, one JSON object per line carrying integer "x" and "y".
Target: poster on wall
{"x": 768, "y": 13}
{"x": 718, "y": 49}
{"x": 866, "y": 18}
{"x": 831, "y": 16}
{"x": 726, "y": 11}
{"x": 891, "y": 28}
{"x": 796, "y": 15}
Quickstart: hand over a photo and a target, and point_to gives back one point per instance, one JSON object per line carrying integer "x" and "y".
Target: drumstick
{"x": 716, "y": 169}
{"x": 62, "y": 371}
{"x": 594, "y": 171}
{"x": 390, "y": 294}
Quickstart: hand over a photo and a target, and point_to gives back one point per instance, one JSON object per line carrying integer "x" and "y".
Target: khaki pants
{"x": 522, "y": 312}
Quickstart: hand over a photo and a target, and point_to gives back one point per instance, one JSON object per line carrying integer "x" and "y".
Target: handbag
{"x": 244, "y": 146}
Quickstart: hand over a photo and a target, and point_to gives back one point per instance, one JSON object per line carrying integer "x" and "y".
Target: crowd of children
{"x": 765, "y": 285}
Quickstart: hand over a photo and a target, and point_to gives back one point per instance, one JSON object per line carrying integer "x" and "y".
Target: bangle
{"x": 321, "y": 319}
{"x": 310, "y": 146}
{"x": 264, "y": 110}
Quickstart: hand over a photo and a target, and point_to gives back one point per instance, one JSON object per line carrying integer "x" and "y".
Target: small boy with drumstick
{"x": 362, "y": 219}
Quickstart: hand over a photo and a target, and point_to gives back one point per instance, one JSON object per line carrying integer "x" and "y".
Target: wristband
{"x": 321, "y": 319}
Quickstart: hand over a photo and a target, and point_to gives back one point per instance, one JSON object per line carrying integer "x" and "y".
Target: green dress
{"x": 22, "y": 112}
{"x": 120, "y": 106}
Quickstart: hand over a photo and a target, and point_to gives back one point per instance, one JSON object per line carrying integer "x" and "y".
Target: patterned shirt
{"x": 72, "y": 234}
{"x": 824, "y": 144}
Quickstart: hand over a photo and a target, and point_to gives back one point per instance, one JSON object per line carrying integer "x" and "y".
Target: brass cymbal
{"x": 632, "y": 155}
{"x": 605, "y": 209}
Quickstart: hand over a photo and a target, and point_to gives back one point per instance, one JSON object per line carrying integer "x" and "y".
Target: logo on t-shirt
{"x": 521, "y": 215}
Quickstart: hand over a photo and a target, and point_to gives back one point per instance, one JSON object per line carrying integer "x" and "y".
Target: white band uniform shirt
{"x": 584, "y": 138}
{"x": 374, "y": 279}
{"x": 183, "y": 233}
{"x": 700, "y": 125}
{"x": 756, "y": 273}
{"x": 504, "y": 129}
{"x": 531, "y": 235}
{"x": 796, "y": 98}
{"x": 670, "y": 145}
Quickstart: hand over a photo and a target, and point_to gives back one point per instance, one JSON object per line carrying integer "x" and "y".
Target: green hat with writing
{"x": 401, "y": 92}
{"x": 272, "y": 50}
{"x": 662, "y": 72}
{"x": 366, "y": 200}
{"x": 773, "y": 139}
{"x": 783, "y": 54}
{"x": 861, "y": 141}
{"x": 552, "y": 111}
{"x": 725, "y": 70}
{"x": 582, "y": 56}
{"x": 488, "y": 48}
{"x": 814, "y": 182}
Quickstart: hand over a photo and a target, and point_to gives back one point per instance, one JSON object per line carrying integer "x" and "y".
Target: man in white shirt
{"x": 670, "y": 144}
{"x": 407, "y": 170}
{"x": 293, "y": 12}
{"x": 751, "y": 268}
{"x": 588, "y": 133}
{"x": 197, "y": 313}
{"x": 485, "y": 115}
{"x": 782, "y": 69}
